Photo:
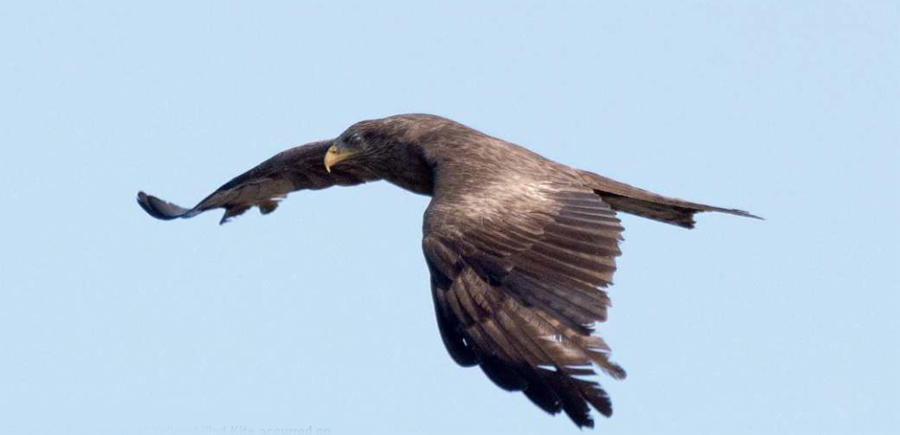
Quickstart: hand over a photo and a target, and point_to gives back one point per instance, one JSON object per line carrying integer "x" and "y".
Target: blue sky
{"x": 320, "y": 316}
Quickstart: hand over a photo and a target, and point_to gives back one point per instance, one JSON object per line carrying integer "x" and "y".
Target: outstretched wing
{"x": 517, "y": 275}
{"x": 298, "y": 168}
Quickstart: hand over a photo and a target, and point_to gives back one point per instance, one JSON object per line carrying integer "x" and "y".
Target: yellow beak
{"x": 333, "y": 156}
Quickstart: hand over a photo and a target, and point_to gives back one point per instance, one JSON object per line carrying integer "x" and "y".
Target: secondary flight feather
{"x": 520, "y": 248}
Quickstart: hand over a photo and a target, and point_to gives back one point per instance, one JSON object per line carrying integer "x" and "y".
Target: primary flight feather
{"x": 520, "y": 248}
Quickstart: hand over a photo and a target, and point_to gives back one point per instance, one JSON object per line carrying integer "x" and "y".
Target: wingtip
{"x": 158, "y": 208}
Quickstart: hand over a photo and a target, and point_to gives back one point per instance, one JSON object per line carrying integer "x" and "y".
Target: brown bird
{"x": 520, "y": 248}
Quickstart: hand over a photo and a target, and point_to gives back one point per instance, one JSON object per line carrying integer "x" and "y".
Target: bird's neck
{"x": 407, "y": 166}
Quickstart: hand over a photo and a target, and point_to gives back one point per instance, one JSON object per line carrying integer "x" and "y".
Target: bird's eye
{"x": 354, "y": 139}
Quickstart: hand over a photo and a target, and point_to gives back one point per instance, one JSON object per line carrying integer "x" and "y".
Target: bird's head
{"x": 372, "y": 141}
{"x": 349, "y": 144}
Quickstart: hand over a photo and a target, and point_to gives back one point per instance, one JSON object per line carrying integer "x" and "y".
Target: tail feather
{"x": 680, "y": 215}
{"x": 629, "y": 199}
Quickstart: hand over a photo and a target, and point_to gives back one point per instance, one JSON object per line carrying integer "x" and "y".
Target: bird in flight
{"x": 520, "y": 248}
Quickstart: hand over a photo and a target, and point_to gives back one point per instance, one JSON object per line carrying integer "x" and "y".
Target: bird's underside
{"x": 520, "y": 252}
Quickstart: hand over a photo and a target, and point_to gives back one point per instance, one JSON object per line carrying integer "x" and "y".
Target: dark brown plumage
{"x": 520, "y": 248}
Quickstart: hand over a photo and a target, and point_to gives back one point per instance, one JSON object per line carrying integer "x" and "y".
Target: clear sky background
{"x": 320, "y": 315}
